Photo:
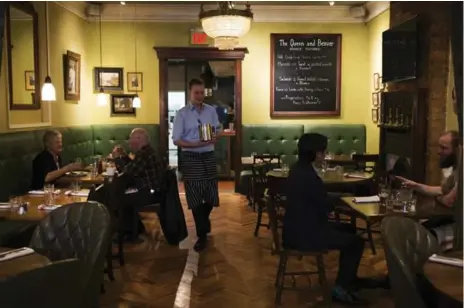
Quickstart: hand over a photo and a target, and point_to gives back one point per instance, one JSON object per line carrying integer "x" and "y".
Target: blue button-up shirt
{"x": 186, "y": 125}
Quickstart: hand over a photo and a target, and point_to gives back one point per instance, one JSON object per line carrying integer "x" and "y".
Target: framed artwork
{"x": 377, "y": 81}
{"x": 121, "y": 105}
{"x": 29, "y": 80}
{"x": 375, "y": 99}
{"x": 72, "y": 76}
{"x": 375, "y": 115}
{"x": 109, "y": 78}
{"x": 134, "y": 82}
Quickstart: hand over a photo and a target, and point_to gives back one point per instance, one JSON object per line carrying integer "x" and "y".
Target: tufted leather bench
{"x": 17, "y": 150}
{"x": 283, "y": 140}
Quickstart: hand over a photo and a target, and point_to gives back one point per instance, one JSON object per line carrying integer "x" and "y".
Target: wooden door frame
{"x": 205, "y": 54}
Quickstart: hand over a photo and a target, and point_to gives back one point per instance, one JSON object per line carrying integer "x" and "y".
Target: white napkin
{"x": 81, "y": 193}
{"x": 356, "y": 175}
{"x": 446, "y": 260}
{"x": 41, "y": 192}
{"x": 15, "y": 253}
{"x": 277, "y": 169}
{"x": 48, "y": 207}
{"x": 131, "y": 191}
{"x": 370, "y": 199}
{"x": 5, "y": 206}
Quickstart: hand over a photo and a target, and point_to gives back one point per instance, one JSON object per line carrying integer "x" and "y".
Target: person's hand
{"x": 212, "y": 141}
{"x": 74, "y": 167}
{"x": 407, "y": 183}
{"x": 118, "y": 151}
{"x": 131, "y": 156}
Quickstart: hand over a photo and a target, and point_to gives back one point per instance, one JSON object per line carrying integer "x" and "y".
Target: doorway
{"x": 184, "y": 57}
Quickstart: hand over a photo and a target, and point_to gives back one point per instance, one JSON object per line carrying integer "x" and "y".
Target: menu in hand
{"x": 305, "y": 74}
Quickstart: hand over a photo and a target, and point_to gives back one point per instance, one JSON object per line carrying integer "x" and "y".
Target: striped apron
{"x": 200, "y": 178}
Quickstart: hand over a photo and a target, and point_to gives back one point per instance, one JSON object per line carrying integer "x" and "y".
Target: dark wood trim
{"x": 305, "y": 114}
{"x": 27, "y": 8}
{"x": 200, "y": 53}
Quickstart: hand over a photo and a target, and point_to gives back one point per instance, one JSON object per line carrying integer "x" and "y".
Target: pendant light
{"x": 102, "y": 98}
{"x": 48, "y": 92}
{"x": 136, "y": 102}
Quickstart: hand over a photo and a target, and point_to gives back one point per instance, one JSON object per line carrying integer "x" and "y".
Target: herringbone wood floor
{"x": 237, "y": 270}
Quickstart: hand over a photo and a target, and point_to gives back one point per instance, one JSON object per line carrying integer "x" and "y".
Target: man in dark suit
{"x": 306, "y": 226}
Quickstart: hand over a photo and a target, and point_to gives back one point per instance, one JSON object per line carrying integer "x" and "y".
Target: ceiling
{"x": 274, "y": 3}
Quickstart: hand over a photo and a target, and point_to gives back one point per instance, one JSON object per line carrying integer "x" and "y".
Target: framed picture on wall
{"x": 29, "y": 80}
{"x": 375, "y": 115}
{"x": 121, "y": 105}
{"x": 134, "y": 82}
{"x": 72, "y": 76}
{"x": 109, "y": 78}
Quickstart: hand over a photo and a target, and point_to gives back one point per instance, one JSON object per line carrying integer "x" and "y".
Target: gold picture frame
{"x": 72, "y": 76}
{"x": 375, "y": 115}
{"x": 377, "y": 81}
{"x": 134, "y": 82}
{"x": 375, "y": 99}
{"x": 29, "y": 80}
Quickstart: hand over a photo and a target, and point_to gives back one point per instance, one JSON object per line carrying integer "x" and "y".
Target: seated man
{"x": 306, "y": 226}
{"x": 145, "y": 171}
{"x": 47, "y": 166}
{"x": 450, "y": 156}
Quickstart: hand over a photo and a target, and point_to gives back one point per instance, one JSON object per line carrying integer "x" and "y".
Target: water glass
{"x": 253, "y": 154}
{"x": 49, "y": 188}
{"x": 384, "y": 193}
{"x": 285, "y": 169}
{"x": 340, "y": 172}
{"x": 14, "y": 202}
{"x": 76, "y": 186}
{"x": 412, "y": 204}
{"x": 78, "y": 160}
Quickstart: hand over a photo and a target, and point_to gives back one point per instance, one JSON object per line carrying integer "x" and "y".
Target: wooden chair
{"x": 259, "y": 189}
{"x": 273, "y": 160}
{"x": 275, "y": 193}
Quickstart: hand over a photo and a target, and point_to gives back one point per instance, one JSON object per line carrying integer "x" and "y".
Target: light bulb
{"x": 136, "y": 102}
{"x": 102, "y": 98}
{"x": 331, "y": 2}
{"x": 48, "y": 92}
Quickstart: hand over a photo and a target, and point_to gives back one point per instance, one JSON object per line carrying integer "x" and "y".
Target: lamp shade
{"x": 102, "y": 98}
{"x": 48, "y": 92}
{"x": 136, "y": 102}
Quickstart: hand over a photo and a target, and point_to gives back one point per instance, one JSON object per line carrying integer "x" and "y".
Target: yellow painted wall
{"x": 375, "y": 28}
{"x": 360, "y": 46}
{"x": 22, "y": 59}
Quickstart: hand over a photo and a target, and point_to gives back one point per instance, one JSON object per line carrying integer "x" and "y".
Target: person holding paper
{"x": 306, "y": 225}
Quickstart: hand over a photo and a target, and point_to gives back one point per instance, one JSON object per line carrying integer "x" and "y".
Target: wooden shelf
{"x": 392, "y": 127}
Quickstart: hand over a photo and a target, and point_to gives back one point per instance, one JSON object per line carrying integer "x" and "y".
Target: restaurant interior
{"x": 379, "y": 81}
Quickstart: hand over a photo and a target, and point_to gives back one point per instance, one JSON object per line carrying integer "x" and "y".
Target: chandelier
{"x": 226, "y": 24}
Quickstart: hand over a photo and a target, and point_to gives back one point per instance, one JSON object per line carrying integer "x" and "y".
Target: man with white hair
{"x": 144, "y": 169}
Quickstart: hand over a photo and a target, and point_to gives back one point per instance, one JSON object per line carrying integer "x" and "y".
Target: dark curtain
{"x": 456, "y": 45}
{"x": 2, "y": 30}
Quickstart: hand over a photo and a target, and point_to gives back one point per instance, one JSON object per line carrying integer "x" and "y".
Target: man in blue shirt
{"x": 198, "y": 163}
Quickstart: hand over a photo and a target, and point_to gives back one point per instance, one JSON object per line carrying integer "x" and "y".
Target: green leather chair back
{"x": 343, "y": 138}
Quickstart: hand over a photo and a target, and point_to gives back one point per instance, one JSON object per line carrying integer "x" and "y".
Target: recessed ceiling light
{"x": 123, "y": 2}
{"x": 331, "y": 2}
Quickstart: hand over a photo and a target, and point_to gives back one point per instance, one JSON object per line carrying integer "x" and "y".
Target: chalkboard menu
{"x": 305, "y": 75}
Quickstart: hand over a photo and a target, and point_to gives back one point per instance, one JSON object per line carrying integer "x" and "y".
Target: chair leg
{"x": 279, "y": 271}
{"x": 327, "y": 299}
{"x": 369, "y": 237}
{"x": 102, "y": 288}
{"x": 258, "y": 219}
{"x": 121, "y": 248}
{"x": 281, "y": 279}
{"x": 109, "y": 264}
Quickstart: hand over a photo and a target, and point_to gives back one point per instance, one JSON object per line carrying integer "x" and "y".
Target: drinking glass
{"x": 78, "y": 160}
{"x": 384, "y": 193}
{"x": 49, "y": 188}
{"x": 76, "y": 186}
{"x": 340, "y": 171}
{"x": 253, "y": 154}
{"x": 14, "y": 202}
{"x": 412, "y": 204}
{"x": 285, "y": 169}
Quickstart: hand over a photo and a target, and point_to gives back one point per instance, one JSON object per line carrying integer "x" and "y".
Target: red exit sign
{"x": 198, "y": 37}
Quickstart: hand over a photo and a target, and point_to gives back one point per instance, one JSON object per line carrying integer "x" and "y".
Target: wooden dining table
{"x": 426, "y": 207}
{"x": 331, "y": 177}
{"x": 22, "y": 264}
{"x": 85, "y": 179}
{"x": 33, "y": 213}
{"x": 446, "y": 279}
